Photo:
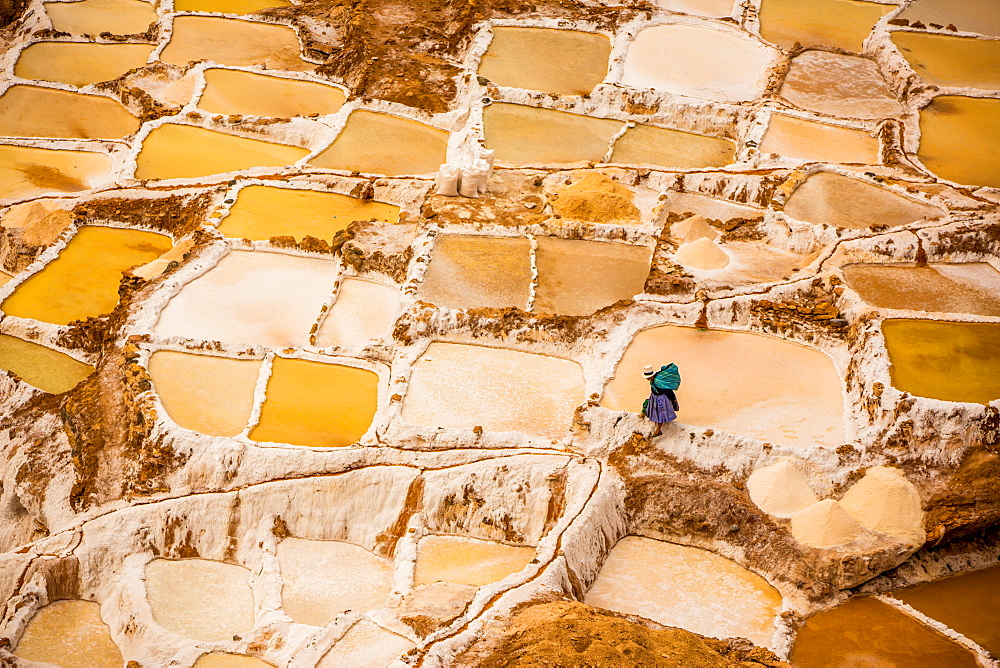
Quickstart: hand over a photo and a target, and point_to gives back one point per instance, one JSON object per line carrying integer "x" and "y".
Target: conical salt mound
{"x": 884, "y": 500}
{"x": 692, "y": 229}
{"x": 825, "y": 524}
{"x": 702, "y": 254}
{"x": 780, "y": 489}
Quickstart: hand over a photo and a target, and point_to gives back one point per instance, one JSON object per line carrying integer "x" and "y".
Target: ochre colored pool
{"x": 958, "y": 136}
{"x": 70, "y": 634}
{"x": 33, "y": 111}
{"x": 234, "y": 42}
{"x": 468, "y": 561}
{"x": 47, "y": 369}
{"x": 949, "y": 61}
{"x": 26, "y": 171}
{"x": 80, "y": 64}
{"x": 837, "y": 24}
{"x": 252, "y": 94}
{"x": 478, "y": 271}
{"x": 92, "y": 17}
{"x": 566, "y": 62}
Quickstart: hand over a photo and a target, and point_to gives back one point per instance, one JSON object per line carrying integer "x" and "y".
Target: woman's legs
{"x": 659, "y": 429}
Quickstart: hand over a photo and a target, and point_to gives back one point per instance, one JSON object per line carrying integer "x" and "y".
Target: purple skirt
{"x": 659, "y": 408}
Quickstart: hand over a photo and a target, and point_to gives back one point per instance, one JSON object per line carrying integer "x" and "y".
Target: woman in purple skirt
{"x": 662, "y": 405}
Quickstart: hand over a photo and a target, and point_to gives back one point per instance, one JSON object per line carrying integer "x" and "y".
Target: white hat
{"x": 648, "y": 371}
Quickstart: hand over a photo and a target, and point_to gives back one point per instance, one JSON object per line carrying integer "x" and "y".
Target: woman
{"x": 661, "y": 406}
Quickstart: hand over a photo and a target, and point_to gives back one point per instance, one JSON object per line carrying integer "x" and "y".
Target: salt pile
{"x": 780, "y": 490}
{"x": 825, "y": 524}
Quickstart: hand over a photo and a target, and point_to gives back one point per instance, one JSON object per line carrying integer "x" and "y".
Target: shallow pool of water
{"x": 838, "y": 24}
{"x": 946, "y": 60}
{"x": 47, "y": 369}
{"x": 376, "y": 143}
{"x": 949, "y": 288}
{"x": 663, "y": 147}
{"x": 80, "y": 64}
{"x": 683, "y": 586}
{"x": 364, "y": 312}
{"x": 458, "y": 385}
{"x": 800, "y": 405}
{"x": 365, "y": 645}
{"x": 92, "y": 17}
{"x": 325, "y": 578}
{"x": 82, "y": 282}
{"x": 467, "y": 561}
{"x": 698, "y": 61}
{"x": 262, "y": 212}
{"x": 234, "y": 42}
{"x": 714, "y": 8}
{"x": 210, "y": 395}
{"x": 69, "y": 634}
{"x": 227, "y": 6}
{"x": 950, "y": 361}
{"x": 566, "y": 62}
{"x": 252, "y": 94}
{"x": 819, "y": 142}
{"x": 957, "y": 139}
{"x": 223, "y": 660}
{"x": 580, "y": 277}
{"x": 33, "y": 111}
{"x": 839, "y": 85}
{"x": 477, "y": 271}
{"x": 841, "y": 201}
{"x": 185, "y": 152}
{"x": 867, "y": 632}
{"x": 27, "y": 171}
{"x": 200, "y": 599}
{"x": 522, "y": 134}
{"x": 316, "y": 404}
{"x": 966, "y": 15}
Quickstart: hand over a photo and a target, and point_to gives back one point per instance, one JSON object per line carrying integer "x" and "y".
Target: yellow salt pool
{"x": 80, "y": 64}
{"x": 832, "y": 24}
{"x": 234, "y": 42}
{"x": 33, "y": 111}
{"x": 467, "y": 561}
{"x": 92, "y": 17}
{"x": 69, "y": 634}
{"x": 566, "y": 62}
{"x": 47, "y": 369}
{"x": 477, "y": 271}
{"x": 958, "y": 136}
{"x": 252, "y": 94}
{"x": 26, "y": 171}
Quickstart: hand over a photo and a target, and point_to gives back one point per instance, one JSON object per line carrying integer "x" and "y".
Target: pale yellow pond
{"x": 227, "y": 6}
{"x": 32, "y": 111}
{"x": 714, "y": 8}
{"x": 92, "y": 17}
{"x": 26, "y": 171}
{"x": 683, "y": 586}
{"x": 580, "y": 277}
{"x": 80, "y": 64}
{"x": 945, "y": 288}
{"x": 467, "y": 561}
{"x": 69, "y": 634}
{"x": 958, "y": 138}
{"x": 234, "y": 42}
{"x": 365, "y": 645}
{"x": 48, "y": 370}
{"x": 316, "y": 404}
{"x": 950, "y": 361}
{"x": 83, "y": 280}
{"x": 252, "y": 94}
{"x": 522, "y": 134}
{"x": 841, "y": 201}
{"x": 325, "y": 578}
{"x": 364, "y": 312}
{"x": 223, "y": 660}
{"x": 210, "y": 395}
{"x": 966, "y": 15}
{"x": 819, "y": 142}
{"x": 948, "y": 61}
{"x": 464, "y": 386}
{"x": 200, "y": 599}
{"x": 673, "y": 149}
{"x": 839, "y": 85}
{"x": 185, "y": 152}
{"x": 262, "y": 212}
{"x": 377, "y": 143}
{"x": 478, "y": 271}
{"x": 796, "y": 399}
{"x": 838, "y": 24}
{"x": 566, "y": 62}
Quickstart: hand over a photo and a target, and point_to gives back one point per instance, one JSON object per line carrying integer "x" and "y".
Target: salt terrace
{"x": 323, "y": 329}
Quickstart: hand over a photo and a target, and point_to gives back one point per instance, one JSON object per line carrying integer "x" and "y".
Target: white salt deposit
{"x": 365, "y": 645}
{"x": 364, "y": 311}
{"x": 884, "y": 500}
{"x": 780, "y": 490}
{"x": 702, "y": 253}
{"x": 692, "y": 229}
{"x": 825, "y": 524}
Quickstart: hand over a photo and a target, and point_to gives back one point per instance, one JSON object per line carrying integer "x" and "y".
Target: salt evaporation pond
{"x": 968, "y": 603}
{"x": 207, "y": 394}
{"x": 365, "y": 645}
{"x": 949, "y": 61}
{"x": 663, "y": 147}
{"x": 47, "y": 369}
{"x": 684, "y": 586}
{"x": 802, "y": 406}
{"x": 252, "y": 94}
{"x": 199, "y": 598}
{"x": 867, "y": 632}
{"x": 580, "y": 277}
{"x": 712, "y": 8}
{"x": 463, "y": 386}
{"x": 819, "y": 142}
{"x": 316, "y": 404}
{"x": 172, "y": 151}
{"x": 833, "y": 24}
{"x": 223, "y": 660}
{"x": 565, "y": 62}
{"x": 958, "y": 136}
{"x": 469, "y": 271}
{"x": 363, "y": 313}
{"x": 234, "y": 42}
{"x": 966, "y": 15}
{"x": 376, "y": 143}
{"x": 522, "y": 134}
{"x": 326, "y": 578}
{"x": 262, "y": 212}
{"x": 33, "y": 111}
{"x": 698, "y": 61}
{"x": 944, "y": 288}
{"x": 69, "y": 634}
{"x": 840, "y": 201}
{"x": 467, "y": 561}
{"x": 839, "y": 85}
{"x": 269, "y": 299}
{"x": 950, "y": 361}
{"x": 82, "y": 282}
{"x": 92, "y": 17}
{"x": 80, "y": 64}
{"x": 227, "y": 6}
{"x": 26, "y": 171}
